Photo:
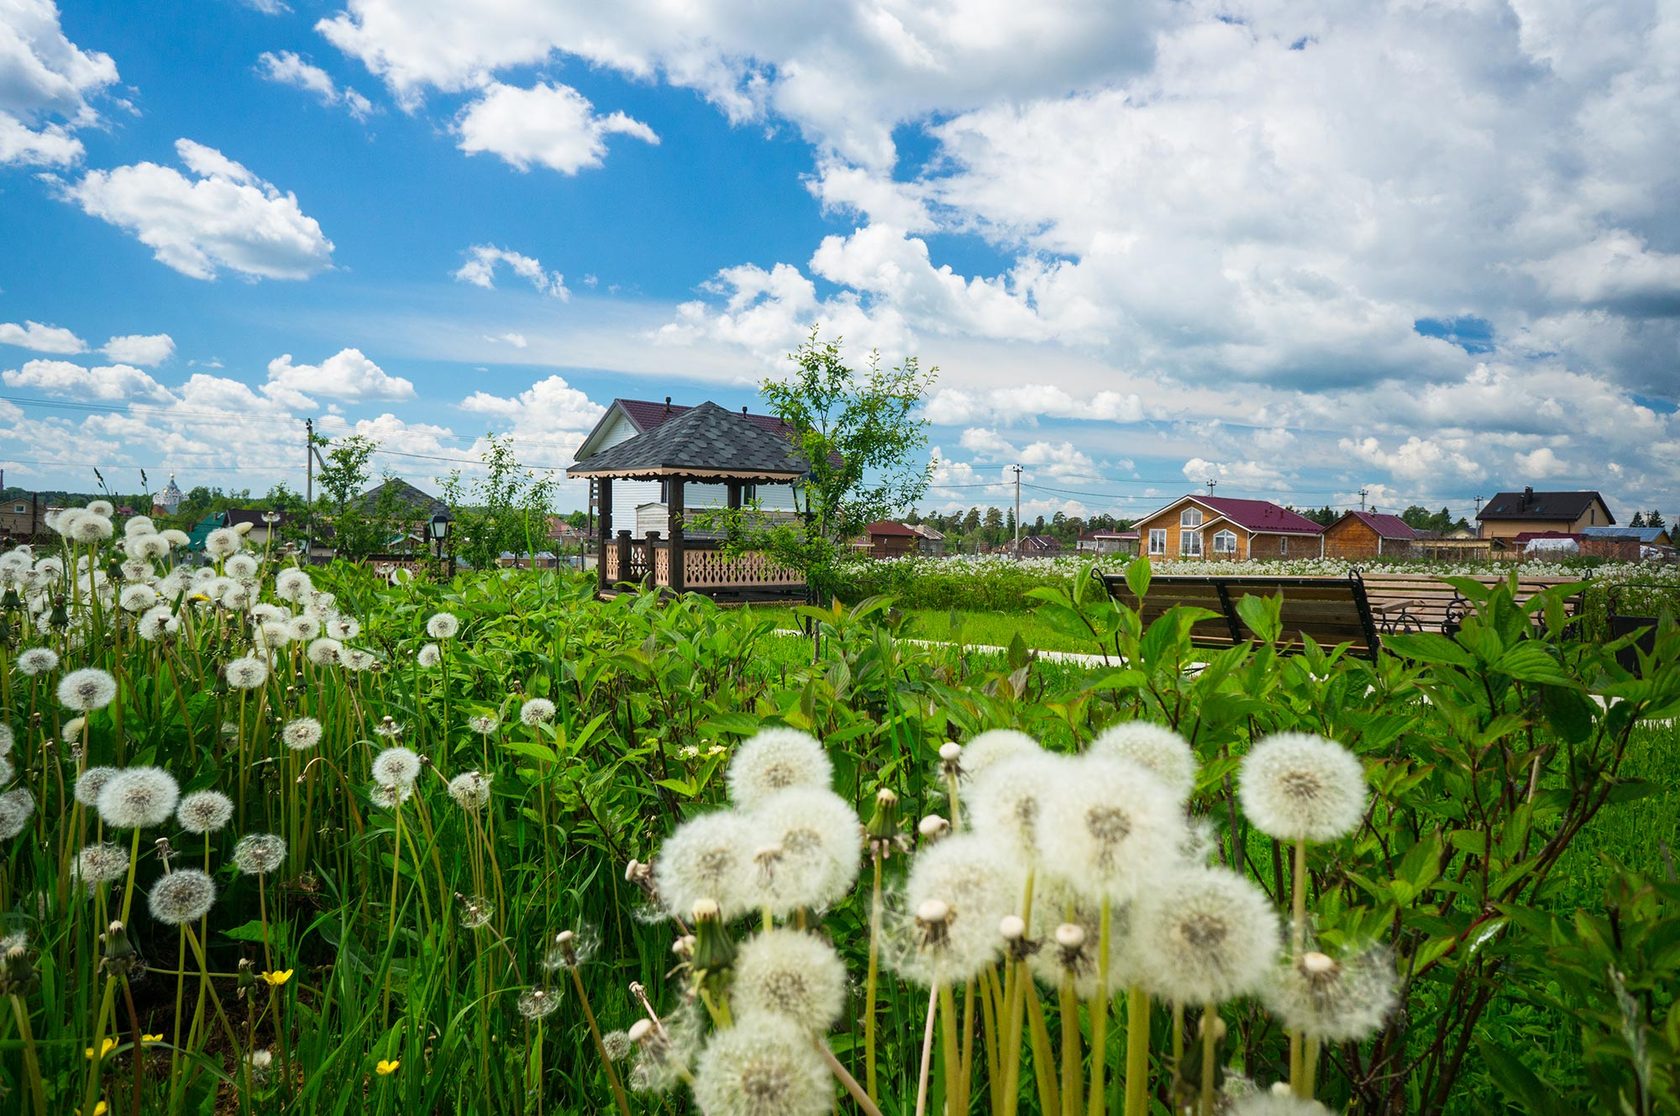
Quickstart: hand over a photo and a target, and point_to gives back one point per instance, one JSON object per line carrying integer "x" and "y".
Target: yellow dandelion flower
{"x": 386, "y": 1069}
{"x": 278, "y": 977}
{"x": 105, "y": 1048}
{"x": 151, "y": 1038}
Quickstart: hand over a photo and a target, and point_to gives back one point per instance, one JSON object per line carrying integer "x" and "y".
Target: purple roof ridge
{"x": 1260, "y": 515}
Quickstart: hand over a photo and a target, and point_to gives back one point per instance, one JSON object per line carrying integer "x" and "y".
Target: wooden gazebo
{"x": 705, "y": 445}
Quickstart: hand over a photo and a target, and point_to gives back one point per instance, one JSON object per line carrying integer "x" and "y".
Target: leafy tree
{"x": 505, "y": 510}
{"x": 858, "y": 431}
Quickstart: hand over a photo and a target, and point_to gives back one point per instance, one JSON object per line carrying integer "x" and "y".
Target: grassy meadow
{"x": 289, "y": 841}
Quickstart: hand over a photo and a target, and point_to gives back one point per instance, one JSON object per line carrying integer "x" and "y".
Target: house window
{"x": 18, "y": 509}
{"x": 1283, "y": 545}
{"x": 1157, "y": 540}
{"x": 1190, "y": 544}
{"x": 749, "y": 493}
{"x": 665, "y": 492}
{"x": 1225, "y": 542}
{"x": 1190, "y": 517}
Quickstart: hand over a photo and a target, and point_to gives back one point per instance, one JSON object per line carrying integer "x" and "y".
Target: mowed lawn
{"x": 968, "y": 627}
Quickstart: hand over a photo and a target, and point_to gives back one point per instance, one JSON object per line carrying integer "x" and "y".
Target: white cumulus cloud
{"x": 347, "y": 374}
{"x": 104, "y": 382}
{"x": 483, "y": 259}
{"x": 141, "y": 348}
{"x": 289, "y": 68}
{"x": 41, "y": 338}
{"x": 46, "y": 85}
{"x": 548, "y": 125}
{"x": 223, "y": 218}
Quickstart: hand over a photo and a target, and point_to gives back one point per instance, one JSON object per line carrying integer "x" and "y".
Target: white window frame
{"x": 1225, "y": 542}
{"x": 1190, "y": 517}
{"x": 1189, "y": 544}
{"x": 1283, "y": 546}
{"x": 1158, "y": 541}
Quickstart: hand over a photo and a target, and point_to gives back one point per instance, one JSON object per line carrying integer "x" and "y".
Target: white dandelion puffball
{"x": 137, "y": 598}
{"x": 810, "y": 846}
{"x": 303, "y": 628}
{"x": 175, "y": 536}
{"x": 762, "y": 1066}
{"x": 16, "y": 807}
{"x": 387, "y": 796}
{"x": 158, "y": 623}
{"x": 91, "y": 529}
{"x": 223, "y": 542}
{"x": 87, "y": 689}
{"x": 258, "y": 854}
{"x": 139, "y": 525}
{"x": 536, "y": 711}
{"x": 484, "y": 724}
{"x": 396, "y": 767}
{"x": 1154, "y": 748}
{"x": 443, "y": 625}
{"x": 6, "y": 768}
{"x": 184, "y": 895}
{"x": 242, "y": 566}
{"x": 204, "y": 811}
{"x": 90, "y": 782}
{"x": 356, "y": 660}
{"x": 1009, "y": 797}
{"x": 97, "y": 864}
{"x": 36, "y": 661}
{"x": 1334, "y": 1000}
{"x": 324, "y": 651}
{"x": 429, "y": 656}
{"x": 301, "y": 734}
{"x": 977, "y": 880}
{"x": 995, "y": 746}
{"x": 1269, "y": 1103}
{"x": 1298, "y": 787}
{"x": 1056, "y": 904}
{"x": 470, "y": 790}
{"x": 537, "y": 1003}
{"x": 792, "y": 974}
{"x": 247, "y": 673}
{"x": 1116, "y": 830}
{"x": 776, "y": 759}
{"x": 707, "y": 857}
{"x": 138, "y": 798}
{"x": 342, "y": 627}
{"x": 292, "y": 585}
{"x": 7, "y": 740}
{"x": 1205, "y": 936}
{"x": 101, "y": 507}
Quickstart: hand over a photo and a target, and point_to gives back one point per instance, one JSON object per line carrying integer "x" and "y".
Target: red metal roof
{"x": 888, "y": 528}
{"x": 646, "y": 415}
{"x": 1386, "y": 526}
{"x": 1260, "y": 515}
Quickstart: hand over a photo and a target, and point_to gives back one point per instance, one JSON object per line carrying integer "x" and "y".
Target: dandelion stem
{"x": 847, "y": 1081}
{"x": 1071, "y": 1093}
{"x": 1044, "y": 1058}
{"x": 927, "y": 1051}
{"x": 31, "y": 1059}
{"x": 1210, "y": 1039}
{"x": 1097, "y": 1103}
{"x": 1137, "y": 1052}
{"x": 1297, "y": 942}
{"x": 873, "y": 979}
{"x": 600, "y": 1047}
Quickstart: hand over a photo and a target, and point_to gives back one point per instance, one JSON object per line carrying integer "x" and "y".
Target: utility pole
{"x": 1017, "y": 469}
{"x": 311, "y": 456}
{"x": 1363, "y": 492}
{"x": 1210, "y": 485}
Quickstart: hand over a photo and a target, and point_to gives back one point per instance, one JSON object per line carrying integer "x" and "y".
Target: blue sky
{"x": 1430, "y": 252}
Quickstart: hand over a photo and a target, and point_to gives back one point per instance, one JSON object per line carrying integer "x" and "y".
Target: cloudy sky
{"x": 1428, "y": 249}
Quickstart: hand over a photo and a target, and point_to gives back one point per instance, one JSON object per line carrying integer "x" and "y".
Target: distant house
{"x": 411, "y": 509}
{"x": 886, "y": 538}
{"x": 1510, "y": 514}
{"x": 1224, "y": 527}
{"x": 1039, "y": 546}
{"x": 258, "y": 534}
{"x": 929, "y": 543}
{"x": 1107, "y": 540}
{"x": 1627, "y": 544}
{"x": 1645, "y": 536}
{"x": 1363, "y": 534}
{"x": 641, "y": 505}
{"x": 22, "y": 518}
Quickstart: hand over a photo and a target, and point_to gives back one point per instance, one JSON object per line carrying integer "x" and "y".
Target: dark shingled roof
{"x": 645, "y": 415}
{"x": 1529, "y": 504}
{"x": 702, "y": 441}
{"x": 404, "y": 495}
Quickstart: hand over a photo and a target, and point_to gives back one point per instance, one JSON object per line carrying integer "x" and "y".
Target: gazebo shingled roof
{"x": 706, "y": 441}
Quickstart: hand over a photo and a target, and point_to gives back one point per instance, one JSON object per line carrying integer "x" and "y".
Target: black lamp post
{"x": 438, "y": 529}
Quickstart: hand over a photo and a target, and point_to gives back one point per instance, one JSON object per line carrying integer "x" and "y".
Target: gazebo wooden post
{"x": 676, "y": 546}
{"x": 603, "y": 522}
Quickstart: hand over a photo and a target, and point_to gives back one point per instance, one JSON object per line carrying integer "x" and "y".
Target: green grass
{"x": 968, "y": 626}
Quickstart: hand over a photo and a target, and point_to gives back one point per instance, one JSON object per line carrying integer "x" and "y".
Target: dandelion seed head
{"x": 1333, "y": 1000}
{"x": 101, "y": 507}
{"x": 776, "y": 759}
{"x": 324, "y": 651}
{"x": 138, "y": 798}
{"x": 793, "y": 974}
{"x": 90, "y": 782}
{"x": 6, "y": 742}
{"x": 571, "y": 948}
{"x": 470, "y": 790}
{"x": 258, "y": 854}
{"x": 1155, "y": 748}
{"x": 91, "y": 528}
{"x": 301, "y": 734}
{"x": 396, "y": 767}
{"x": 994, "y": 746}
{"x": 617, "y": 1045}
{"x": 1271, "y": 1103}
{"x": 443, "y": 625}
{"x": 483, "y": 724}
{"x": 1297, "y": 787}
{"x": 204, "y": 811}
{"x": 387, "y": 796}
{"x": 429, "y": 656}
{"x": 536, "y": 711}
{"x": 476, "y": 911}
{"x": 182, "y": 896}
{"x": 139, "y": 526}
{"x": 246, "y": 673}
{"x": 819, "y": 847}
{"x": 1011, "y": 796}
{"x": 273, "y": 635}
{"x": 762, "y": 1066}
{"x": 16, "y": 807}
{"x": 158, "y": 623}
{"x": 977, "y": 879}
{"x": 87, "y": 689}
{"x": 137, "y": 598}
{"x": 37, "y": 661}
{"x": 1205, "y": 935}
{"x": 102, "y": 863}
{"x": 342, "y": 627}
{"x": 537, "y": 1003}
{"x": 292, "y": 585}
{"x": 1118, "y": 829}
{"x": 223, "y": 542}
{"x": 174, "y": 536}
{"x": 356, "y": 660}
{"x": 303, "y": 628}
{"x": 1057, "y": 902}
{"x": 707, "y": 857}
{"x": 241, "y": 566}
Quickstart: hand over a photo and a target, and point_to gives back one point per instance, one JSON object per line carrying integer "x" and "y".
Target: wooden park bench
{"x": 1355, "y": 610}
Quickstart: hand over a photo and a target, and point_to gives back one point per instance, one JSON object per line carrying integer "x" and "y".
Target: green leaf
{"x": 1137, "y": 576}
{"x": 531, "y": 750}
{"x": 1262, "y": 615}
{"x": 1530, "y": 661}
{"x": 1428, "y": 647}
{"x": 1569, "y": 712}
{"x": 1518, "y": 1081}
